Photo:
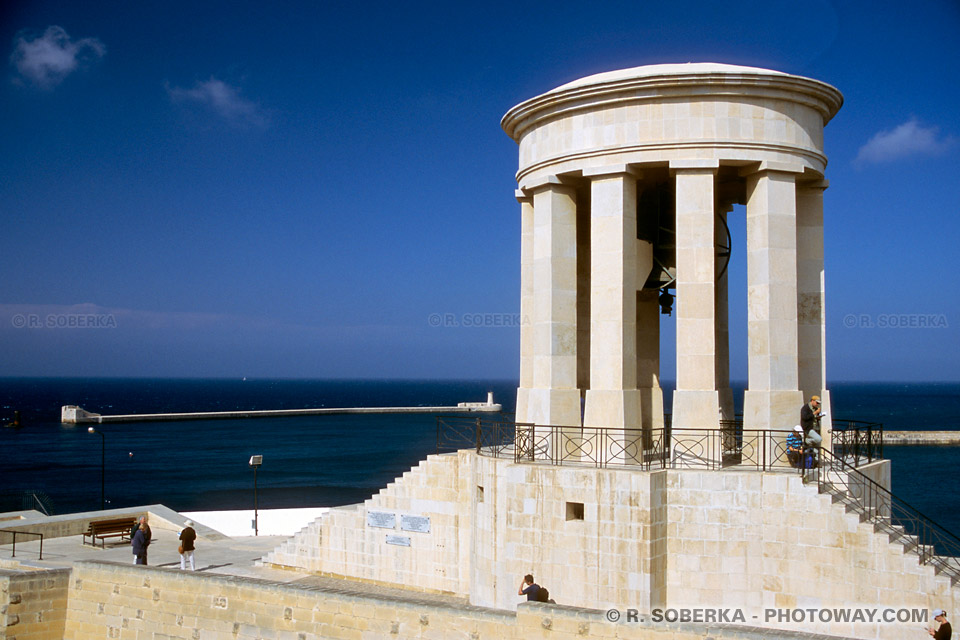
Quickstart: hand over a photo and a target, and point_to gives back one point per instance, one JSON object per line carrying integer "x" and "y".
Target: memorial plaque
{"x": 400, "y": 541}
{"x": 420, "y": 524}
{"x": 381, "y": 519}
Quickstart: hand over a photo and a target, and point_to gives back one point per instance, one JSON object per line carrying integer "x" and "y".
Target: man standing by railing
{"x": 810, "y": 421}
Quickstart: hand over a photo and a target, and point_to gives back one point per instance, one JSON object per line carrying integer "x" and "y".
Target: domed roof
{"x": 690, "y": 68}
{"x": 657, "y": 81}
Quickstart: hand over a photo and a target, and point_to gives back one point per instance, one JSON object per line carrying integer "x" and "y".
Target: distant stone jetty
{"x": 921, "y": 437}
{"x": 72, "y": 414}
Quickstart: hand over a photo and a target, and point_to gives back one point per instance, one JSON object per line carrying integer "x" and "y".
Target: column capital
{"x": 692, "y": 165}
{"x": 611, "y": 171}
{"x": 768, "y": 166}
{"x": 546, "y": 182}
{"x": 523, "y": 196}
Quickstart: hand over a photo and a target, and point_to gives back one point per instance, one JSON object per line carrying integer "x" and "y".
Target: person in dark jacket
{"x": 529, "y": 588}
{"x": 187, "y": 537}
{"x": 810, "y": 421}
{"x": 141, "y": 540}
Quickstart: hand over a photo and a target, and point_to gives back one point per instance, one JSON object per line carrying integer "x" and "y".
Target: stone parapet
{"x": 33, "y": 603}
{"x": 109, "y": 600}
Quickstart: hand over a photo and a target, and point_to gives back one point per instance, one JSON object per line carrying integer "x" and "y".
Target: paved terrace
{"x": 225, "y": 546}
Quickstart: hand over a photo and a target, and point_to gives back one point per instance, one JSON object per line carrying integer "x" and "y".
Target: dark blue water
{"x": 190, "y": 465}
{"x": 330, "y": 460}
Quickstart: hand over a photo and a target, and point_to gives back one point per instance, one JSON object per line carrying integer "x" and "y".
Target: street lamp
{"x": 255, "y": 461}
{"x": 103, "y": 463}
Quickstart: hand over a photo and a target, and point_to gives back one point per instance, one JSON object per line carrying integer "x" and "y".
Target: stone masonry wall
{"x": 112, "y": 600}
{"x": 620, "y": 538}
{"x": 343, "y": 543}
{"x": 33, "y": 603}
{"x": 584, "y": 533}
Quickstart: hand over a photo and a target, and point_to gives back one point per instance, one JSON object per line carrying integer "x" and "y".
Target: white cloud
{"x": 908, "y": 139}
{"x": 222, "y": 99}
{"x": 47, "y": 60}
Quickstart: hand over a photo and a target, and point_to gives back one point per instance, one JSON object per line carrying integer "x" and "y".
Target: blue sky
{"x": 293, "y": 189}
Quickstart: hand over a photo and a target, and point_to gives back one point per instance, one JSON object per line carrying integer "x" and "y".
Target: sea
{"x": 329, "y": 460}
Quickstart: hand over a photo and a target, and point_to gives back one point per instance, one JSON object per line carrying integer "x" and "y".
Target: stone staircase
{"x": 305, "y": 549}
{"x": 877, "y": 506}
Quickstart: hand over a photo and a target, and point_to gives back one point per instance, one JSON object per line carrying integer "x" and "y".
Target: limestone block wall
{"x": 620, "y": 538}
{"x": 111, "y": 600}
{"x": 347, "y": 542}
{"x": 33, "y": 603}
{"x": 584, "y": 533}
{"x": 694, "y": 539}
{"x": 765, "y": 541}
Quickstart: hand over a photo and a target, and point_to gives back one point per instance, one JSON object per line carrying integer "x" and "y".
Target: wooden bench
{"x": 103, "y": 529}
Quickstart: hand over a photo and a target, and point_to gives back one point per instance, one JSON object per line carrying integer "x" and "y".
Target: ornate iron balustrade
{"x": 667, "y": 448}
{"x": 860, "y": 442}
{"x": 889, "y": 514}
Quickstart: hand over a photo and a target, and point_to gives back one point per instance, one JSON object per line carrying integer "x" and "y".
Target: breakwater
{"x": 895, "y": 438}
{"x": 72, "y": 414}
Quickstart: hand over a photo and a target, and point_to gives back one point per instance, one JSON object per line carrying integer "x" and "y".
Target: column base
{"x": 777, "y": 410}
{"x": 612, "y": 408}
{"x": 617, "y": 411}
{"x": 557, "y": 407}
{"x": 696, "y": 409}
{"x": 523, "y": 403}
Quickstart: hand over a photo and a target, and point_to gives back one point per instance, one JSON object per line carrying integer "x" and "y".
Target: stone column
{"x": 526, "y": 304}
{"x": 773, "y": 398}
{"x": 696, "y": 403}
{"x": 722, "y": 310}
{"x": 811, "y": 318}
{"x": 555, "y": 398}
{"x": 613, "y": 399}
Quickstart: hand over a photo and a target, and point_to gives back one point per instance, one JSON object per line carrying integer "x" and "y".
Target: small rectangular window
{"x": 574, "y": 511}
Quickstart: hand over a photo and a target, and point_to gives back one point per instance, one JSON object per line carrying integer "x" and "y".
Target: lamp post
{"x": 103, "y": 463}
{"x": 255, "y": 462}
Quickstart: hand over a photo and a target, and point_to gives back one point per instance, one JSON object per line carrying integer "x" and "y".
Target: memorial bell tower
{"x": 626, "y": 180}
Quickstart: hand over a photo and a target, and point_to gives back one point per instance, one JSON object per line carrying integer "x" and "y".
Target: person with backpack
{"x": 529, "y": 588}
{"x": 533, "y": 591}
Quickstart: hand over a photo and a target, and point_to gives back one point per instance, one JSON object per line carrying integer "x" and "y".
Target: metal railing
{"x": 860, "y": 441}
{"x": 25, "y": 500}
{"x": 492, "y": 434}
{"x": 902, "y": 523}
{"x": 13, "y": 550}
{"x": 642, "y": 449}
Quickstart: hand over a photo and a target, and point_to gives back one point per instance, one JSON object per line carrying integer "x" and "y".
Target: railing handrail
{"x": 862, "y": 477}
{"x": 13, "y": 546}
{"x": 38, "y": 499}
